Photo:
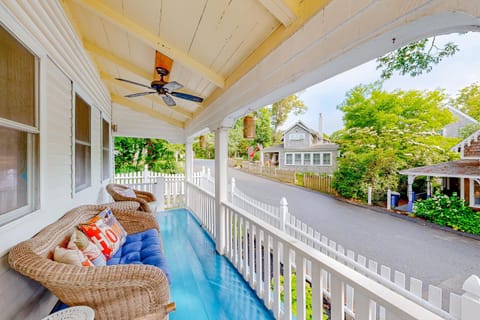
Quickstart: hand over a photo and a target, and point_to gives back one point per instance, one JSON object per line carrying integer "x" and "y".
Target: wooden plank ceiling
{"x": 211, "y": 42}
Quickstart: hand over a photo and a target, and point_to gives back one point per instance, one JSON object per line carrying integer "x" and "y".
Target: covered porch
{"x": 76, "y": 69}
{"x": 461, "y": 177}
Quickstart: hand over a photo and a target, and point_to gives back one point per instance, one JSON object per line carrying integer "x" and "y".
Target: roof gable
{"x": 302, "y": 125}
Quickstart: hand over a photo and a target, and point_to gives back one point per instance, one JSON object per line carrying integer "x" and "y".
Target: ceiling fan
{"x": 163, "y": 88}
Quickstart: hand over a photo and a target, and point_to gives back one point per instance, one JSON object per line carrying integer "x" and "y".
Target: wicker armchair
{"x": 147, "y": 200}
{"x": 115, "y": 292}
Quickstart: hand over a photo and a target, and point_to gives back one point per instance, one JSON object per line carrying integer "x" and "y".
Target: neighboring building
{"x": 303, "y": 149}
{"x": 460, "y": 176}
{"x": 462, "y": 120}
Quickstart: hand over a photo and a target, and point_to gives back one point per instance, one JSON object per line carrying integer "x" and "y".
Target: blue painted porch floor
{"x": 204, "y": 285}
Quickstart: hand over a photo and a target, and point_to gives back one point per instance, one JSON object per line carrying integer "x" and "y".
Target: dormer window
{"x": 296, "y": 136}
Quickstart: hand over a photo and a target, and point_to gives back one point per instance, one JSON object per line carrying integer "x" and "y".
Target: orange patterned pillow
{"x": 106, "y": 232}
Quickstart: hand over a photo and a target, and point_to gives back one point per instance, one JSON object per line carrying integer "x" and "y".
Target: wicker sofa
{"x": 129, "y": 291}
{"x": 147, "y": 200}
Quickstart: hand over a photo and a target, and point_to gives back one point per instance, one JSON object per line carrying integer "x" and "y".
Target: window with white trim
{"x": 298, "y": 159}
{"x": 307, "y": 160}
{"x": 316, "y": 159}
{"x": 19, "y": 132}
{"x": 327, "y": 159}
{"x": 105, "y": 150}
{"x": 82, "y": 144}
{"x": 288, "y": 158}
{"x": 296, "y": 136}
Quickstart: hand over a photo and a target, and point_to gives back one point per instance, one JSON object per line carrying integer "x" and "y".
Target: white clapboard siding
{"x": 59, "y": 135}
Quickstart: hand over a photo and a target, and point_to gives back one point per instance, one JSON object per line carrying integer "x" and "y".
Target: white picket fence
{"x": 263, "y": 255}
{"x": 201, "y": 201}
{"x": 428, "y": 296}
{"x": 172, "y": 186}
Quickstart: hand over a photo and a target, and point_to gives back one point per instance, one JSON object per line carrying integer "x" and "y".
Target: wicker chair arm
{"x": 138, "y": 290}
{"x": 136, "y": 221}
{"x": 147, "y": 196}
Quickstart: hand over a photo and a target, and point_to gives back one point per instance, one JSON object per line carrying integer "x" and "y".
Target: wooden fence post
{"x": 283, "y": 213}
{"x": 470, "y": 305}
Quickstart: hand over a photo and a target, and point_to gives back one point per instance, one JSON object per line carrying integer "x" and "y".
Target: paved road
{"x": 433, "y": 256}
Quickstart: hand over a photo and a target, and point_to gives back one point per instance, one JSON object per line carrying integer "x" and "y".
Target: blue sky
{"x": 451, "y": 75}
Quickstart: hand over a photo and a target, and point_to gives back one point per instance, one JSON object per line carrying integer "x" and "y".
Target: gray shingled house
{"x": 303, "y": 149}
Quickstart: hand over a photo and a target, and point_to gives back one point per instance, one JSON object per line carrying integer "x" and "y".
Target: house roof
{"x": 302, "y": 125}
{"x": 465, "y": 168}
{"x": 462, "y": 114}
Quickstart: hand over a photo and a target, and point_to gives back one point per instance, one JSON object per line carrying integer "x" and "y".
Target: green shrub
{"x": 447, "y": 211}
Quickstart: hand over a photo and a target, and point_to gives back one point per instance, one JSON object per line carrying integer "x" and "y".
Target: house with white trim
{"x": 304, "y": 150}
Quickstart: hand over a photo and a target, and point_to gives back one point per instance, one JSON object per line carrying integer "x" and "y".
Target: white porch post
{"x": 221, "y": 183}
{"x": 410, "y": 193}
{"x": 188, "y": 167}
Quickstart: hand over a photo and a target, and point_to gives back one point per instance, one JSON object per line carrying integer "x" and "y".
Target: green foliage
{"x": 415, "y": 59}
{"x": 238, "y": 146}
{"x": 468, "y": 101}
{"x": 133, "y": 154}
{"x": 308, "y": 297}
{"x": 282, "y": 109}
{"x": 467, "y": 130}
{"x": 448, "y": 211}
{"x": 387, "y": 132}
{"x": 209, "y": 151}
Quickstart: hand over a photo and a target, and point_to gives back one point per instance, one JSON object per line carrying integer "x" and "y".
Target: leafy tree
{"x": 209, "y": 151}
{"x": 386, "y": 132}
{"x": 238, "y": 146}
{"x": 283, "y": 108}
{"x": 468, "y": 101}
{"x": 133, "y": 154}
{"x": 415, "y": 59}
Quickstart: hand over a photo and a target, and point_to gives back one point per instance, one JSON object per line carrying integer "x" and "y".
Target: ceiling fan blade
{"x": 173, "y": 85}
{"x": 186, "y": 96}
{"x": 168, "y": 100}
{"x": 132, "y": 95}
{"x": 135, "y": 83}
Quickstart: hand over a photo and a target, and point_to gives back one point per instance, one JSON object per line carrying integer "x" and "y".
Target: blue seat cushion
{"x": 141, "y": 248}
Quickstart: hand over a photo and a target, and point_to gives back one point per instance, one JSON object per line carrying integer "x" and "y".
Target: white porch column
{"x": 429, "y": 188}
{"x": 221, "y": 183}
{"x": 188, "y": 168}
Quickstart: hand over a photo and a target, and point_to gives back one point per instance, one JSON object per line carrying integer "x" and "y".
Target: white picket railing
{"x": 202, "y": 203}
{"x": 262, "y": 255}
{"x": 172, "y": 186}
{"x": 279, "y": 217}
{"x": 249, "y": 219}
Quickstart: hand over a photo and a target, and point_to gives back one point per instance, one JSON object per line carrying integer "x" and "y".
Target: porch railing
{"x": 369, "y": 294}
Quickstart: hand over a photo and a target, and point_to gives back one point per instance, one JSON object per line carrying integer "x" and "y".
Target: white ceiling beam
{"x": 154, "y": 98}
{"x": 280, "y": 10}
{"x": 150, "y": 39}
{"x": 96, "y": 50}
{"x": 145, "y": 109}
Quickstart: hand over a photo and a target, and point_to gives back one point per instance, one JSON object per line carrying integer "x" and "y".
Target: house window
{"x": 105, "y": 150}
{"x": 306, "y": 159}
{"x": 18, "y": 129}
{"x": 82, "y": 145}
{"x": 296, "y": 136}
{"x": 476, "y": 194}
{"x": 327, "y": 159}
{"x": 316, "y": 159}
{"x": 289, "y": 158}
{"x": 298, "y": 159}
